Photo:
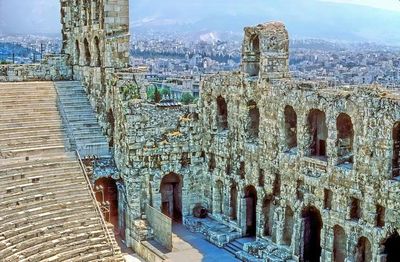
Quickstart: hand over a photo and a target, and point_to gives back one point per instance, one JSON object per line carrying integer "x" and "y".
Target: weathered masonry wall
{"x": 96, "y": 38}
{"x": 318, "y": 154}
{"x": 161, "y": 225}
{"x": 52, "y": 68}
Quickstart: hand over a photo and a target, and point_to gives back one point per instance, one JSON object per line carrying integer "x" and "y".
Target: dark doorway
{"x": 222, "y": 114}
{"x": 392, "y": 248}
{"x": 253, "y": 124}
{"x": 363, "y": 250}
{"x": 339, "y": 244}
{"x": 233, "y": 202}
{"x": 107, "y": 191}
{"x": 318, "y": 132}
{"x": 171, "y": 196}
{"x": 251, "y": 206}
{"x": 290, "y": 128}
{"x": 312, "y": 220}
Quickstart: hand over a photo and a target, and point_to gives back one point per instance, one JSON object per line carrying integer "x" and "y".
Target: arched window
{"x": 97, "y": 54}
{"x": 77, "y": 53}
{"x": 222, "y": 114}
{"x": 339, "y": 244}
{"x": 396, "y": 150}
{"x": 87, "y": 52}
{"x": 233, "y": 202}
{"x": 363, "y": 250}
{"x": 253, "y": 122}
{"x": 290, "y": 128}
{"x": 255, "y": 44}
{"x": 345, "y": 137}
{"x": 318, "y": 133}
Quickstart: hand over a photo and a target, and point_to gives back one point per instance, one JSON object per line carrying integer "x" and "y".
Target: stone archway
{"x": 171, "y": 196}
{"x": 107, "y": 191}
{"x": 339, "y": 244}
{"x": 268, "y": 213}
{"x": 363, "y": 250}
{"x": 392, "y": 248}
{"x": 250, "y": 195}
{"x": 312, "y": 225}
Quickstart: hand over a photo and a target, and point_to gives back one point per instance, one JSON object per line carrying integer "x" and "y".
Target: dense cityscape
{"x": 175, "y": 62}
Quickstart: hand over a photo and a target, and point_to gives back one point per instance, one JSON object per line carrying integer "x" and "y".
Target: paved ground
{"x": 192, "y": 247}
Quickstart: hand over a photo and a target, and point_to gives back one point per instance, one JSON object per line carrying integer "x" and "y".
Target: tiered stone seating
{"x": 81, "y": 119}
{"x": 47, "y": 212}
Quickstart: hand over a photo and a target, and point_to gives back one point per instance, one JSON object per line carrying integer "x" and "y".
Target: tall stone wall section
{"x": 295, "y": 179}
{"x": 96, "y": 38}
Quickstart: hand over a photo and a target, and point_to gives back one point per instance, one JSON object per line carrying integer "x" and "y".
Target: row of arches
{"x": 316, "y": 130}
{"x": 88, "y": 12}
{"x": 88, "y": 54}
{"x": 311, "y": 220}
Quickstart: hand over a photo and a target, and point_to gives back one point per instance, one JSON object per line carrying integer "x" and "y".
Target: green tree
{"x": 187, "y": 98}
{"x": 157, "y": 96}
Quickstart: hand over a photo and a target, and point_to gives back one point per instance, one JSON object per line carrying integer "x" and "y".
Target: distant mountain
{"x": 303, "y": 18}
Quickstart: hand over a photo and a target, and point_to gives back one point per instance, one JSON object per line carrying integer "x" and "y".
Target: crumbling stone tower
{"x": 265, "y": 51}
{"x": 96, "y": 33}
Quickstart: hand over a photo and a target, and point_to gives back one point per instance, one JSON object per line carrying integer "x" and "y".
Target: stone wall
{"x": 52, "y": 68}
{"x": 294, "y": 180}
{"x": 161, "y": 225}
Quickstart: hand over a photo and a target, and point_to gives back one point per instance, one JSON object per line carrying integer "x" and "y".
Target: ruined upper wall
{"x": 265, "y": 51}
{"x": 53, "y": 67}
{"x": 96, "y": 32}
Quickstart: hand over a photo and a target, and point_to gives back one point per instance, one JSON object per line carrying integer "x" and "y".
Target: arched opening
{"x": 345, "y": 137}
{"x": 290, "y": 128}
{"x": 219, "y": 197}
{"x": 396, "y": 150}
{"x": 339, "y": 244}
{"x": 222, "y": 114}
{"x": 255, "y": 44}
{"x": 392, "y": 248}
{"x": 97, "y": 55}
{"x": 363, "y": 250}
{"x": 288, "y": 227}
{"x": 107, "y": 194}
{"x": 77, "y": 52}
{"x": 171, "y": 196}
{"x": 233, "y": 202}
{"x": 253, "y": 125}
{"x": 318, "y": 133}
{"x": 312, "y": 224}
{"x": 111, "y": 121}
{"x": 87, "y": 52}
{"x": 250, "y": 195}
{"x": 268, "y": 212}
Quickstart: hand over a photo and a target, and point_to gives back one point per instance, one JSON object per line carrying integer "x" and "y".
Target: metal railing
{"x": 96, "y": 204}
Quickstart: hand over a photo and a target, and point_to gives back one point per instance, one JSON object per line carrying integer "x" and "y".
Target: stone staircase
{"x": 47, "y": 211}
{"x": 83, "y": 129}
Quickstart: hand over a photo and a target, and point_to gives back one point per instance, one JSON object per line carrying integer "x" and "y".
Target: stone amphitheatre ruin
{"x": 311, "y": 172}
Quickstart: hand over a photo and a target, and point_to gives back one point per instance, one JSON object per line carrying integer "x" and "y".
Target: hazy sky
{"x": 374, "y": 20}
